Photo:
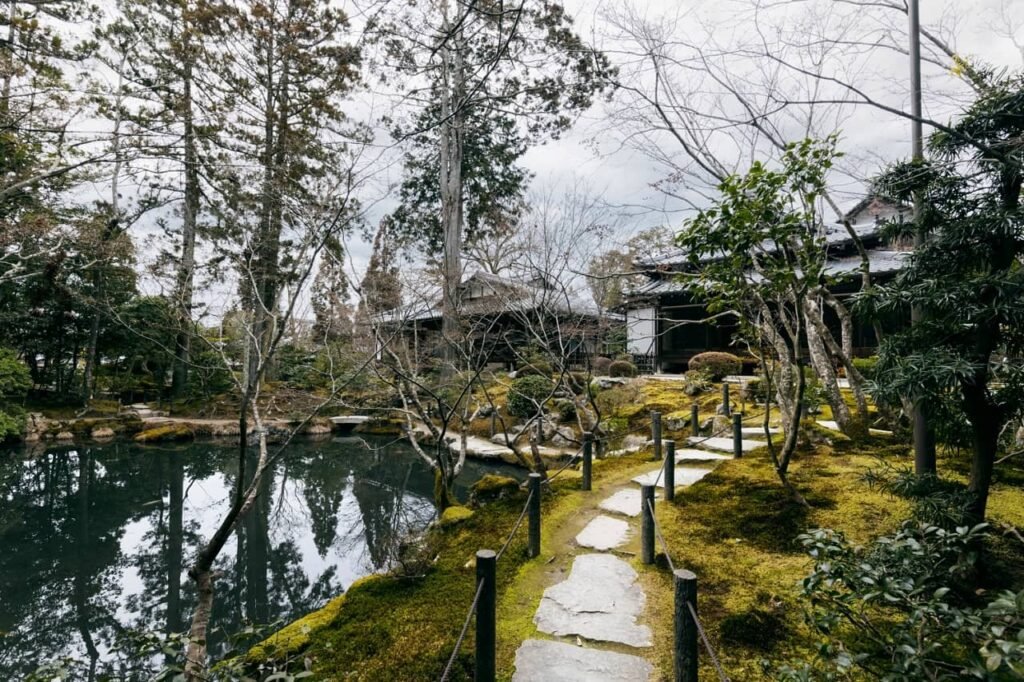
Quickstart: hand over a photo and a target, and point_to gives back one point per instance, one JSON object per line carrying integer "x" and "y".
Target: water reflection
{"x": 94, "y": 540}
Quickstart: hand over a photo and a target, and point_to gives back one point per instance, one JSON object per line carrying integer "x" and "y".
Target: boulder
{"x": 102, "y": 433}
{"x": 609, "y": 382}
{"x": 564, "y": 437}
{"x": 634, "y": 441}
{"x": 65, "y": 435}
{"x": 676, "y": 423}
{"x": 492, "y": 487}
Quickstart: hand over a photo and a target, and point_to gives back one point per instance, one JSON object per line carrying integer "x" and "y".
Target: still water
{"x": 95, "y": 539}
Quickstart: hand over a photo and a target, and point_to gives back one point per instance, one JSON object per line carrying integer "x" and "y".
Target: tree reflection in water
{"x": 96, "y": 538}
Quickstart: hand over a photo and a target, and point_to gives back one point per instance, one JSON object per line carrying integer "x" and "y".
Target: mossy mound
{"x": 295, "y": 636}
{"x": 454, "y": 515}
{"x": 166, "y": 433}
{"x": 492, "y": 487}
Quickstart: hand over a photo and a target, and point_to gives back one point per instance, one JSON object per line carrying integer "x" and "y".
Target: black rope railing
{"x": 692, "y": 611}
{"x": 707, "y": 644}
{"x": 462, "y": 634}
{"x": 481, "y": 584}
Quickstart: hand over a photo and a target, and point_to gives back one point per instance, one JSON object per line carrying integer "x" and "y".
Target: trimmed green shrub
{"x": 622, "y": 368}
{"x": 717, "y": 364}
{"x": 577, "y": 382}
{"x": 526, "y": 393}
{"x": 566, "y": 411}
{"x": 601, "y": 366}
{"x": 534, "y": 365}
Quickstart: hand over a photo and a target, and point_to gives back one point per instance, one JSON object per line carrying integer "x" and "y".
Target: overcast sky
{"x": 596, "y": 152}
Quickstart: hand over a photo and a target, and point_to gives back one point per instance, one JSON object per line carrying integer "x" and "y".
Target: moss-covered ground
{"x": 737, "y": 529}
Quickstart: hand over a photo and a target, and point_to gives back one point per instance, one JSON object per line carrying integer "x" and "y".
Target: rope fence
{"x": 687, "y": 624}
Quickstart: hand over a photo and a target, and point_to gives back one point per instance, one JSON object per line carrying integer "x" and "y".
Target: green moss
{"x": 491, "y": 487}
{"x": 736, "y": 529}
{"x": 454, "y": 515}
{"x": 170, "y": 432}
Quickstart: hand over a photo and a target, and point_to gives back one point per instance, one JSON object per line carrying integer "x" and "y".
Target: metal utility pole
{"x": 924, "y": 437}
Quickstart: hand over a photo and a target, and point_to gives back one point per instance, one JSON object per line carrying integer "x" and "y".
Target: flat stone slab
{"x": 600, "y": 601}
{"x": 604, "y": 533}
{"x": 832, "y": 425}
{"x": 759, "y": 431}
{"x": 726, "y": 443}
{"x": 684, "y": 476}
{"x": 693, "y": 454}
{"x": 540, "y": 660}
{"x": 625, "y": 502}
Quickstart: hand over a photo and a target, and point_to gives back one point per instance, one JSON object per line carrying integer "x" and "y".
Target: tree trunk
{"x": 186, "y": 265}
{"x": 451, "y": 152}
{"x": 822, "y": 363}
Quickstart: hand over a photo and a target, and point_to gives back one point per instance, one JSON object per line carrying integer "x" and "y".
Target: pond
{"x": 95, "y": 539}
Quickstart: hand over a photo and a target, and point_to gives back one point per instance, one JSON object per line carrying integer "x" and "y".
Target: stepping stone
{"x": 625, "y": 502}
{"x": 834, "y": 426}
{"x": 726, "y": 443}
{"x": 699, "y": 455}
{"x": 540, "y": 660}
{"x": 759, "y": 431}
{"x": 684, "y": 476}
{"x": 603, "y": 533}
{"x": 600, "y": 601}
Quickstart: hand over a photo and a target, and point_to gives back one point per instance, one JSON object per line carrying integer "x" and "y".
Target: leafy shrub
{"x": 295, "y": 366}
{"x": 15, "y": 379}
{"x": 933, "y": 500}
{"x": 814, "y": 392}
{"x": 601, "y": 366}
{"x": 894, "y": 610}
{"x": 717, "y": 364}
{"x": 208, "y": 375}
{"x": 866, "y": 366}
{"x": 622, "y": 368}
{"x": 577, "y": 382}
{"x": 526, "y": 394}
{"x": 696, "y": 381}
{"x": 11, "y": 427}
{"x": 566, "y": 411}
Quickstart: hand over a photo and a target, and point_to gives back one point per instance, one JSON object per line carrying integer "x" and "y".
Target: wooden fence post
{"x": 670, "y": 470}
{"x": 486, "y": 564}
{"x": 588, "y": 458}
{"x": 695, "y": 419}
{"x": 494, "y": 422}
{"x": 737, "y": 435}
{"x": 534, "y": 513}
{"x": 726, "y": 401}
{"x": 647, "y": 524}
{"x": 656, "y": 433}
{"x": 685, "y": 650}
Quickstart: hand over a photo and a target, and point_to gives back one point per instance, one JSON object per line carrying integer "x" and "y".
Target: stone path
{"x": 684, "y": 476}
{"x": 600, "y": 603}
{"x": 692, "y": 454}
{"x": 604, "y": 533}
{"x": 539, "y": 659}
{"x": 725, "y": 444}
